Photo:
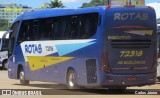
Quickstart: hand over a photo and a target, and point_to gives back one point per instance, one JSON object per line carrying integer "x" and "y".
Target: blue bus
{"x": 105, "y": 46}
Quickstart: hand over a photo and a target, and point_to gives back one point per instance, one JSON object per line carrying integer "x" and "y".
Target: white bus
{"x": 3, "y": 49}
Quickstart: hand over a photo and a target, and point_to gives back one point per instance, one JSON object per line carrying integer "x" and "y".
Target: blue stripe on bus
{"x": 68, "y": 48}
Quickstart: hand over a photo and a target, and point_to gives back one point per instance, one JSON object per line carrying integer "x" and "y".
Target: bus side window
{"x": 81, "y": 30}
{"x": 27, "y": 31}
{"x": 64, "y": 28}
{"x": 24, "y": 32}
{"x": 81, "y": 26}
{"x": 46, "y": 29}
{"x": 57, "y": 29}
{"x": 90, "y": 24}
{"x": 86, "y": 29}
{"x": 74, "y": 27}
{"x": 35, "y": 29}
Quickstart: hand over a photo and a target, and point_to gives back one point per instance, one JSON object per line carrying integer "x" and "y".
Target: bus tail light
{"x": 154, "y": 64}
{"x": 105, "y": 64}
{"x": 108, "y": 7}
{"x": 108, "y": 79}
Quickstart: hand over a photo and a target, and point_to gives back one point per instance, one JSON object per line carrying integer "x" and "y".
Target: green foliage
{"x": 56, "y": 4}
{"x": 94, "y": 3}
{"x": 3, "y": 25}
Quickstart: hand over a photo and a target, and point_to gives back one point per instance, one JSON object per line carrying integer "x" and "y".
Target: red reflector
{"x": 132, "y": 78}
{"x": 108, "y": 7}
{"x": 153, "y": 78}
{"x": 108, "y": 79}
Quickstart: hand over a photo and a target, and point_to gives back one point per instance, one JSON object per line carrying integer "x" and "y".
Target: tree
{"x": 3, "y": 25}
{"x": 95, "y": 3}
{"x": 56, "y": 4}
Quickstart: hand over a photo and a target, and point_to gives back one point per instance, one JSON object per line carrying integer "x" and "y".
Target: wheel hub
{"x": 21, "y": 76}
{"x": 71, "y": 79}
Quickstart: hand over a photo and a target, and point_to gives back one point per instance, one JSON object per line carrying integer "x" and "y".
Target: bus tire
{"x": 71, "y": 80}
{"x": 22, "y": 78}
{"x": 4, "y": 65}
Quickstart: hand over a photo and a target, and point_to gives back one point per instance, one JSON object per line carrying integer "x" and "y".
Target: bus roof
{"x": 57, "y": 12}
{"x": 53, "y": 12}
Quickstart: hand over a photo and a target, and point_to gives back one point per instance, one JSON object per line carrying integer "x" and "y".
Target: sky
{"x": 156, "y": 6}
{"x": 73, "y": 3}
{"x": 37, "y": 3}
{"x": 67, "y": 3}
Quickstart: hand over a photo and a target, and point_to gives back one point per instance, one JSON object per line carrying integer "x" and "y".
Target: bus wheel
{"x": 4, "y": 65}
{"x": 22, "y": 78}
{"x": 71, "y": 80}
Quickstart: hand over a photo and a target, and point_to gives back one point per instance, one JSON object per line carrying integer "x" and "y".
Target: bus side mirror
{"x": 4, "y": 38}
{"x": 7, "y": 32}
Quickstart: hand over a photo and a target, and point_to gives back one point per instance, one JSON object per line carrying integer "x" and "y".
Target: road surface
{"x": 60, "y": 91}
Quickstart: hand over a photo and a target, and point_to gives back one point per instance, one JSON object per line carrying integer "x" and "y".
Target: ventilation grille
{"x": 91, "y": 71}
{"x": 131, "y": 43}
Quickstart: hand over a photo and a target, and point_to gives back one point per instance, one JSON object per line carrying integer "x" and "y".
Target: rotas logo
{"x": 130, "y": 16}
{"x": 33, "y": 48}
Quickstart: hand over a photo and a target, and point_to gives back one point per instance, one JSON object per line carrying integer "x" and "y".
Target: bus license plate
{"x": 132, "y": 78}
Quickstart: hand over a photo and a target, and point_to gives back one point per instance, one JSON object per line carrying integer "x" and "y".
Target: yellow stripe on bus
{"x": 149, "y": 32}
{"x": 140, "y": 32}
{"x": 38, "y": 62}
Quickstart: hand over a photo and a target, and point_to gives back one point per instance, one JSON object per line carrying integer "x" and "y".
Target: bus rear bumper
{"x": 129, "y": 80}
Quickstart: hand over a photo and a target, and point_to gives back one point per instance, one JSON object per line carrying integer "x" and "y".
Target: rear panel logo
{"x": 131, "y": 16}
